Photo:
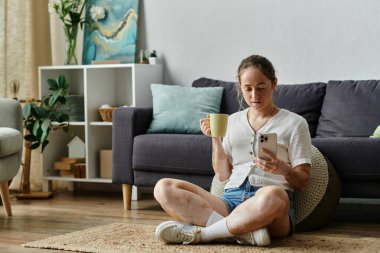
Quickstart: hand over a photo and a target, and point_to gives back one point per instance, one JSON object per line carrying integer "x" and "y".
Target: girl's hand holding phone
{"x": 273, "y": 164}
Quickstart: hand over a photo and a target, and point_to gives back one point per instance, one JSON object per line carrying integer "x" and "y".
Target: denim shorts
{"x": 233, "y": 197}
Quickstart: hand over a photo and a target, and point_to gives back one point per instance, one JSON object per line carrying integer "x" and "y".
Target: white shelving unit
{"x": 116, "y": 84}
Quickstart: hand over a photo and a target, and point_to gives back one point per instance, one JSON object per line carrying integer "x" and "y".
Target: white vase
{"x": 152, "y": 60}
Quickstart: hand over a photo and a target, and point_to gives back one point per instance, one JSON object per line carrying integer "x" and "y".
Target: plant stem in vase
{"x": 71, "y": 32}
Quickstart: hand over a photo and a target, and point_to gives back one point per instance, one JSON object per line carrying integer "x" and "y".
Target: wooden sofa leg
{"x": 127, "y": 196}
{"x": 4, "y": 191}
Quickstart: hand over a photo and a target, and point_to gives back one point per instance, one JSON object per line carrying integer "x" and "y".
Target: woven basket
{"x": 106, "y": 113}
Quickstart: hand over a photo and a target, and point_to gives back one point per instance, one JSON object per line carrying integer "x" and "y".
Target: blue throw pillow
{"x": 177, "y": 109}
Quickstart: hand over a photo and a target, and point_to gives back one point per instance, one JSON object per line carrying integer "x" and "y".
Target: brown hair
{"x": 259, "y": 62}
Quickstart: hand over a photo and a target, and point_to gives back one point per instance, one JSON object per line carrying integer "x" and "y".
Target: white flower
{"x": 97, "y": 13}
{"x": 54, "y": 5}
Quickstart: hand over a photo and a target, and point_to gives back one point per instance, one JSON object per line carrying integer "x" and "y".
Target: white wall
{"x": 314, "y": 40}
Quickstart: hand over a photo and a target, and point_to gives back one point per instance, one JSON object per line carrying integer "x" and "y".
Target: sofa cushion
{"x": 356, "y": 161}
{"x": 173, "y": 153}
{"x": 303, "y": 99}
{"x": 350, "y": 109}
{"x": 230, "y": 102}
{"x": 178, "y": 109}
{"x": 355, "y": 158}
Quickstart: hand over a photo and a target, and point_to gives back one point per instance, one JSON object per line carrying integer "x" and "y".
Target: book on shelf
{"x": 66, "y": 173}
{"x": 62, "y": 166}
{"x": 73, "y": 160}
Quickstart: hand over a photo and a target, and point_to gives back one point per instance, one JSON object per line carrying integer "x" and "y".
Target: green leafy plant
{"x": 39, "y": 115}
{"x": 153, "y": 53}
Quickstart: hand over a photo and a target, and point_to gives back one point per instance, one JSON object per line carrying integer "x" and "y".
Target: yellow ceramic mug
{"x": 218, "y": 124}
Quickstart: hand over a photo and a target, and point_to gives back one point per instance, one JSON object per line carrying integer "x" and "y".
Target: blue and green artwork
{"x": 111, "y": 32}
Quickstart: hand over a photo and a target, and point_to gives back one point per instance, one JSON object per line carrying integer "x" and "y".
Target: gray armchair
{"x": 10, "y": 146}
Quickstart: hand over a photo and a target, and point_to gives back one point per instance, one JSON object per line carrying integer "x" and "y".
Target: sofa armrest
{"x": 127, "y": 123}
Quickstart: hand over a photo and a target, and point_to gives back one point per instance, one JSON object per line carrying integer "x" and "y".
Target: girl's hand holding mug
{"x": 215, "y": 125}
{"x": 205, "y": 126}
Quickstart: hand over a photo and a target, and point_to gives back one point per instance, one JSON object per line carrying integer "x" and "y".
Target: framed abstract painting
{"x": 111, "y": 32}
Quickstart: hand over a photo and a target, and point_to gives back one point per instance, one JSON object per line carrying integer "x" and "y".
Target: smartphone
{"x": 267, "y": 141}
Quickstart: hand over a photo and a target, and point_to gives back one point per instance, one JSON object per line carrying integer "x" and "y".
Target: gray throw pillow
{"x": 350, "y": 109}
{"x": 304, "y": 99}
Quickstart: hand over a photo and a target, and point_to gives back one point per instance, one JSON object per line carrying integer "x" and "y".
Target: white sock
{"x": 214, "y": 217}
{"x": 215, "y": 231}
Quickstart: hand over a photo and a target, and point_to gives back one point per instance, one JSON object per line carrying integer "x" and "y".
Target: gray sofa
{"x": 341, "y": 116}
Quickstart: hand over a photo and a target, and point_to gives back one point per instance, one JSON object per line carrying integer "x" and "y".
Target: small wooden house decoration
{"x": 77, "y": 148}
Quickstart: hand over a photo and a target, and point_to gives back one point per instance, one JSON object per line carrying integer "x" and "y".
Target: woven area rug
{"x": 124, "y": 237}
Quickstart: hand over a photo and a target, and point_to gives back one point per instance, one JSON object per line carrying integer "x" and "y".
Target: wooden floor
{"x": 68, "y": 212}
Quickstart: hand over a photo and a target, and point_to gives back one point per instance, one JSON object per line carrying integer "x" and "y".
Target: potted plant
{"x": 152, "y": 57}
{"x": 39, "y": 115}
{"x": 38, "y": 118}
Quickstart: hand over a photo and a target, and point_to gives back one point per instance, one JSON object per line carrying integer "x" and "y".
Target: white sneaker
{"x": 258, "y": 237}
{"x": 176, "y": 232}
